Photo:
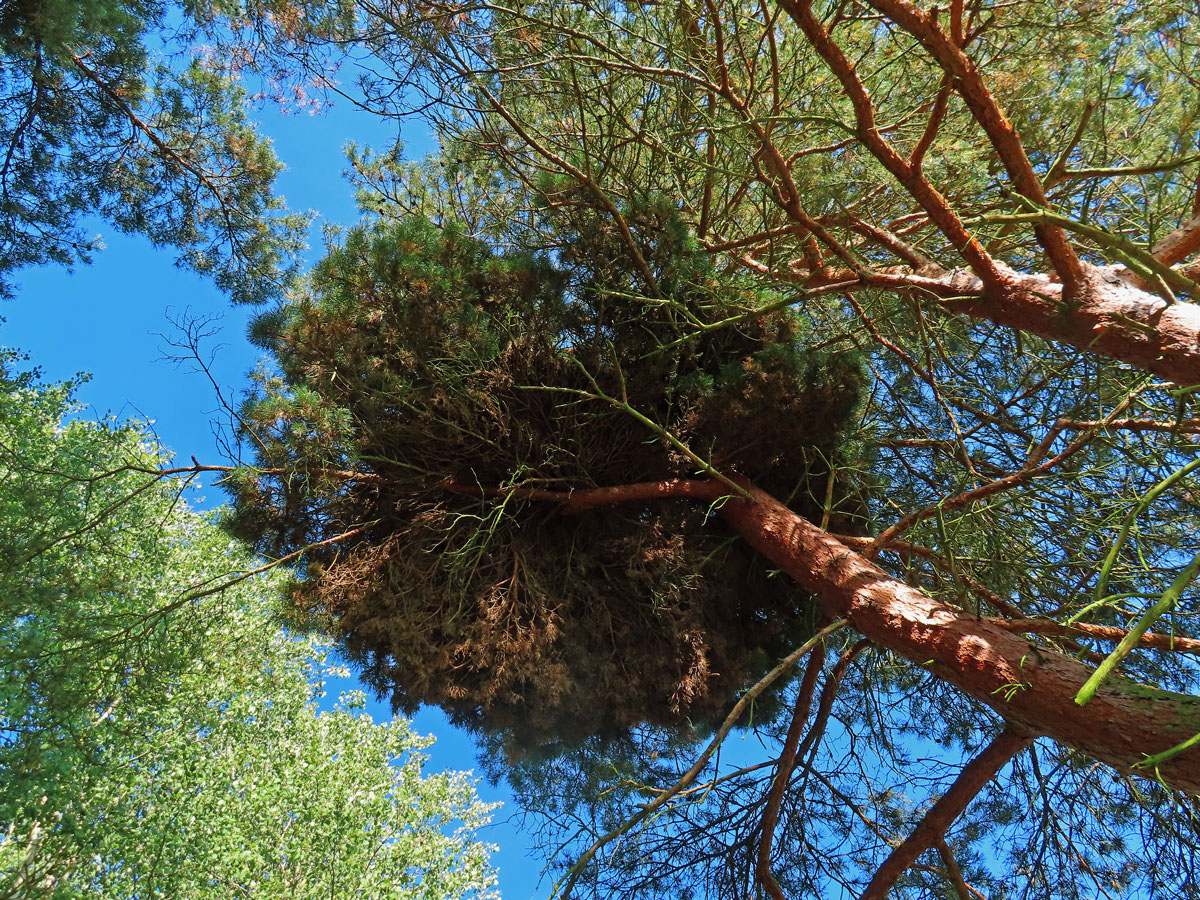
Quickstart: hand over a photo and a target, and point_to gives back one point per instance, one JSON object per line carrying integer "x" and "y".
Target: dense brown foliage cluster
{"x": 451, "y": 379}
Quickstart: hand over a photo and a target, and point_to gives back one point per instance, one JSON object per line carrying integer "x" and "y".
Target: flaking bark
{"x": 1110, "y": 316}
{"x": 1031, "y": 688}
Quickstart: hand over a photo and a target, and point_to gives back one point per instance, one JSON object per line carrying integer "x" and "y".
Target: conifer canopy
{"x": 427, "y": 384}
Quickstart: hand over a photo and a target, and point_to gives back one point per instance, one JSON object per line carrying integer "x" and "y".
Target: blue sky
{"x": 113, "y": 319}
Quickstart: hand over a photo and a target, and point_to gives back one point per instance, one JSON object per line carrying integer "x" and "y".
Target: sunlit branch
{"x": 910, "y": 177}
{"x": 969, "y": 82}
{"x": 1156, "y": 640}
{"x": 936, "y": 115}
{"x": 1179, "y": 244}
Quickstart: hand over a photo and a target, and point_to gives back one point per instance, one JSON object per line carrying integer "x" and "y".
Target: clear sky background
{"x": 112, "y": 319}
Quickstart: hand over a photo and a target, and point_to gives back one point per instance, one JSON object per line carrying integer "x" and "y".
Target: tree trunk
{"x": 1032, "y": 689}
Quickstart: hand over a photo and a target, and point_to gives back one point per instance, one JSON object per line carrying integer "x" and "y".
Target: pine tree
{"x": 457, "y": 383}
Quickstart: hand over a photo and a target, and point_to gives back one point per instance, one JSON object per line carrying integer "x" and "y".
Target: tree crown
{"x": 423, "y": 361}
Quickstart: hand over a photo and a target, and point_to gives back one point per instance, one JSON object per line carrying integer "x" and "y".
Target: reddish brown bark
{"x": 970, "y": 781}
{"x": 1103, "y": 632}
{"x": 1033, "y": 689}
{"x": 1180, "y": 243}
{"x": 867, "y": 131}
{"x": 1098, "y": 311}
{"x": 1111, "y": 316}
{"x": 968, "y": 81}
{"x": 783, "y": 771}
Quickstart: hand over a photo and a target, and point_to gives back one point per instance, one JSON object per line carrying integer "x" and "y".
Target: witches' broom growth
{"x": 429, "y": 387}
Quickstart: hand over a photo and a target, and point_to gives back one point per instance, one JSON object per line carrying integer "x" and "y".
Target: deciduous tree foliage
{"x": 995, "y": 207}
{"x": 158, "y": 729}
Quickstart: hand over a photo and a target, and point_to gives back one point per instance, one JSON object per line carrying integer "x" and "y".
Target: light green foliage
{"x": 158, "y": 734}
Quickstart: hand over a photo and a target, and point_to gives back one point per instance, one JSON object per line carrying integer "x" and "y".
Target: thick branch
{"x": 1017, "y": 622}
{"x": 1031, "y": 688}
{"x": 970, "y": 781}
{"x": 579, "y": 501}
{"x": 968, "y": 82}
{"x": 783, "y": 772}
{"x": 1113, "y": 318}
{"x": 1179, "y": 244}
{"x": 908, "y": 174}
